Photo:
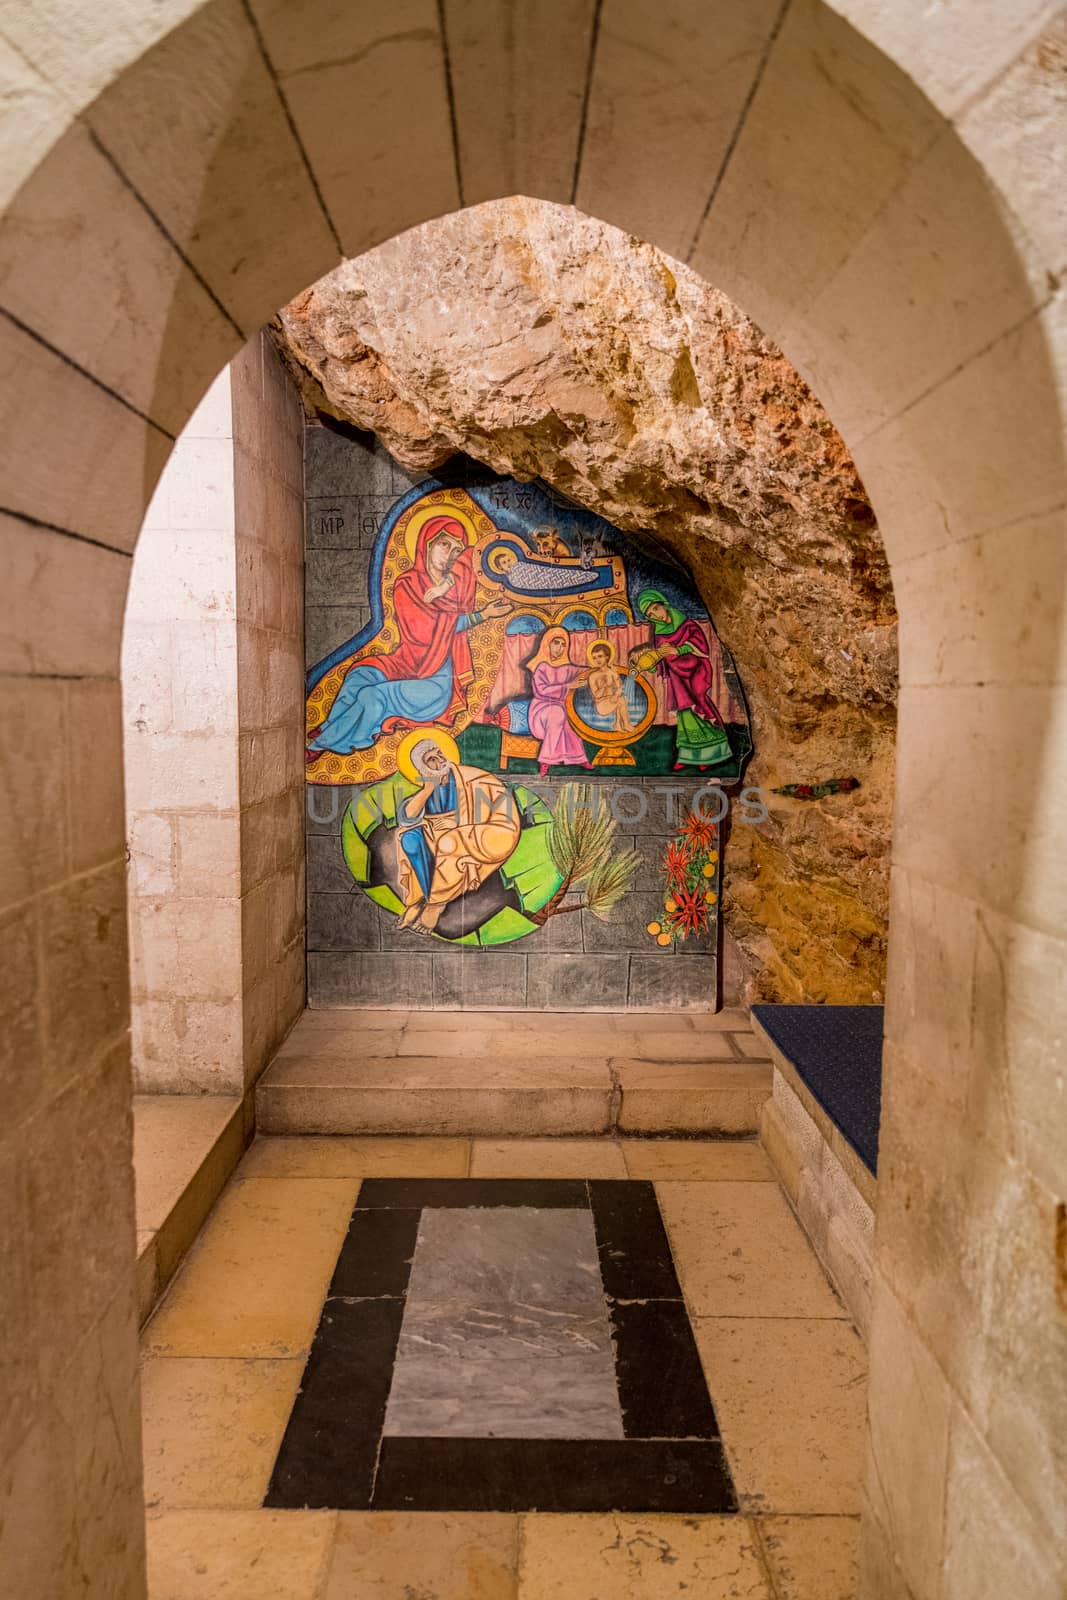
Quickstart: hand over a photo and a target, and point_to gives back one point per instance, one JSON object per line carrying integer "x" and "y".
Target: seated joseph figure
{"x": 452, "y": 834}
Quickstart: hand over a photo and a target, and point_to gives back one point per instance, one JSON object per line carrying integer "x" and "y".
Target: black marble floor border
{"x": 333, "y": 1455}
{"x": 640, "y": 1475}
{"x": 571, "y": 1194}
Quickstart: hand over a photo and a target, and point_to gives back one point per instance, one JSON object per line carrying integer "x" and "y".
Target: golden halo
{"x": 600, "y": 644}
{"x": 424, "y": 514}
{"x": 498, "y": 556}
{"x": 443, "y": 740}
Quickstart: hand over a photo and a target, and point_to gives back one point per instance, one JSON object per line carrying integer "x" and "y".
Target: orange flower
{"x": 677, "y": 861}
{"x": 690, "y": 914}
{"x": 699, "y": 830}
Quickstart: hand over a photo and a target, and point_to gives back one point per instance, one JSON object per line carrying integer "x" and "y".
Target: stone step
{"x": 518, "y": 1042}
{"x": 637, "y": 1023}
{"x": 524, "y": 1077}
{"x": 185, "y": 1146}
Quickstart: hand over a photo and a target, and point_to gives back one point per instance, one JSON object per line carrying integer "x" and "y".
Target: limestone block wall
{"x": 269, "y": 545}
{"x": 179, "y": 681}
{"x": 212, "y": 688}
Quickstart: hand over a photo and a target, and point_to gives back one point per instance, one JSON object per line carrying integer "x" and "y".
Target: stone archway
{"x": 171, "y": 181}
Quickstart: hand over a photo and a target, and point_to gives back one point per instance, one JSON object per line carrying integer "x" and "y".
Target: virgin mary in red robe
{"x": 424, "y": 680}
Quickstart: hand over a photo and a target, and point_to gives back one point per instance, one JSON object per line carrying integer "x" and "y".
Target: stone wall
{"x": 884, "y": 194}
{"x": 544, "y": 343}
{"x": 179, "y": 685}
{"x": 212, "y": 690}
{"x": 269, "y": 524}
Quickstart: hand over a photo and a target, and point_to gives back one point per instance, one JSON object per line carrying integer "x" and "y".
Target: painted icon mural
{"x": 457, "y": 852}
{"x": 514, "y": 709}
{"x": 537, "y": 642}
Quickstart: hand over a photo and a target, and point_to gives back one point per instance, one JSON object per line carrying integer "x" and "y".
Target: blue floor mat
{"x": 837, "y": 1050}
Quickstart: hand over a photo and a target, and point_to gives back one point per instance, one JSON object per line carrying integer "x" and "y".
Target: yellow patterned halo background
{"x": 423, "y": 514}
{"x": 444, "y": 741}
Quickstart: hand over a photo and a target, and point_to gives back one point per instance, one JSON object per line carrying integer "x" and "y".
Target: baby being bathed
{"x": 605, "y": 686}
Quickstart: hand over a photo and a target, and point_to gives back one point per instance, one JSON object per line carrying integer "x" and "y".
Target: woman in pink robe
{"x": 554, "y": 675}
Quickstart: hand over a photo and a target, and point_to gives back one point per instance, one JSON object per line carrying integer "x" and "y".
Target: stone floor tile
{"x": 212, "y": 1429}
{"x": 172, "y": 1135}
{"x": 547, "y": 1158}
{"x": 347, "y": 1039}
{"x": 790, "y": 1396}
{"x": 335, "y": 1156}
{"x": 740, "y": 1252}
{"x": 697, "y": 1159}
{"x": 426, "y": 1555}
{"x": 495, "y": 1044}
{"x": 254, "y": 1283}
{"x": 347, "y": 1017}
{"x": 618, "y": 1557}
{"x": 813, "y": 1558}
{"x": 464, "y": 1021}
{"x": 238, "y": 1555}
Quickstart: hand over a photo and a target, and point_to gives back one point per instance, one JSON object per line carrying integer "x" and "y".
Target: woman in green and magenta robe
{"x": 685, "y": 666}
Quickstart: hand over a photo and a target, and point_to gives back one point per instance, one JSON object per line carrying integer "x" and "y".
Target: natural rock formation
{"x": 546, "y": 344}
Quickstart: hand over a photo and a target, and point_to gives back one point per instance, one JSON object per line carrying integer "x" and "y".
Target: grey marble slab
{"x": 569, "y": 1397}
{"x": 507, "y": 1256}
{"x": 504, "y": 1332}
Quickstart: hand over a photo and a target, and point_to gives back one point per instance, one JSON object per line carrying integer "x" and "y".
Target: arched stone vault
{"x": 174, "y": 174}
